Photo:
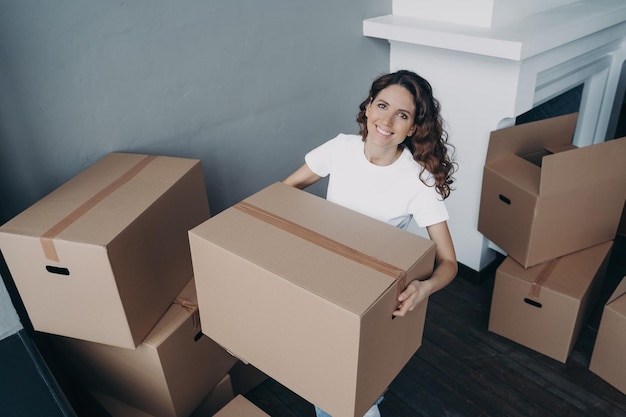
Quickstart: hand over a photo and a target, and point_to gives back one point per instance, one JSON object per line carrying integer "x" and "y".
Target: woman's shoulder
{"x": 348, "y": 139}
{"x": 343, "y": 142}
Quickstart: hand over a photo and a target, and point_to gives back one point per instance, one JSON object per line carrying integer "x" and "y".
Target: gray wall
{"x": 246, "y": 86}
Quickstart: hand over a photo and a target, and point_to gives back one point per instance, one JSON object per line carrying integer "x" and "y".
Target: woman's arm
{"x": 446, "y": 268}
{"x": 302, "y": 177}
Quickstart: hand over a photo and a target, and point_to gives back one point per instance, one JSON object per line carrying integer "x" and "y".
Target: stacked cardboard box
{"x": 167, "y": 375}
{"x": 304, "y": 290}
{"x": 554, "y": 209}
{"x": 98, "y": 263}
{"x": 544, "y": 307}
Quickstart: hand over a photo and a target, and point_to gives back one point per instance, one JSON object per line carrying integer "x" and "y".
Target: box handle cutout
{"x": 532, "y": 302}
{"x": 57, "y": 270}
{"x": 198, "y": 336}
{"x": 505, "y": 199}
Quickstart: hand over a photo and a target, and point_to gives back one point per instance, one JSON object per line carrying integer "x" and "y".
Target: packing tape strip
{"x": 548, "y": 268}
{"x": 325, "y": 242}
{"x": 191, "y": 307}
{"x": 46, "y": 238}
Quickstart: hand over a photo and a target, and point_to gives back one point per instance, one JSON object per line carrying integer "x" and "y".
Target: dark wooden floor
{"x": 463, "y": 370}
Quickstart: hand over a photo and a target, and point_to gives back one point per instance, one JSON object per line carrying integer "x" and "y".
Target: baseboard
{"x": 485, "y": 274}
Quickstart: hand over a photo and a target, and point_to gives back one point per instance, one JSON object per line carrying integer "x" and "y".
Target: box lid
{"x": 307, "y": 240}
{"x": 544, "y": 148}
{"x": 531, "y": 137}
{"x": 579, "y": 168}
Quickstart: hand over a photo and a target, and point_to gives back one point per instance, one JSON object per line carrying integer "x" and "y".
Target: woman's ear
{"x": 412, "y": 130}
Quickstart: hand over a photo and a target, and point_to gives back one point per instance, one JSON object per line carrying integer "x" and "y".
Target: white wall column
{"x": 506, "y": 60}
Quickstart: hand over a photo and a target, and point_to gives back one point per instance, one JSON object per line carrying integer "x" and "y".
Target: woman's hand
{"x": 414, "y": 294}
{"x": 445, "y": 271}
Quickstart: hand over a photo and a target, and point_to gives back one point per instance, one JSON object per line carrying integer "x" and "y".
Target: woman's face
{"x": 390, "y": 117}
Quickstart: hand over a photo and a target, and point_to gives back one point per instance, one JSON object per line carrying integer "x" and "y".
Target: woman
{"x": 396, "y": 170}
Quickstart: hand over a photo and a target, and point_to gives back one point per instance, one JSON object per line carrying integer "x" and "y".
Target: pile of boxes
{"x": 103, "y": 266}
{"x": 554, "y": 209}
{"x": 120, "y": 265}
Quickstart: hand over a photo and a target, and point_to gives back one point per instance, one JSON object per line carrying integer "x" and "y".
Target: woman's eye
{"x": 403, "y": 116}
{"x": 382, "y": 106}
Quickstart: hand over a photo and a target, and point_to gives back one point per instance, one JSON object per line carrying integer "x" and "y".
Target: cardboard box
{"x": 607, "y": 358}
{"x": 542, "y": 198}
{"x": 168, "y": 375}
{"x": 241, "y": 407}
{"x": 219, "y": 396}
{"x": 102, "y": 257}
{"x": 304, "y": 290}
{"x": 545, "y": 307}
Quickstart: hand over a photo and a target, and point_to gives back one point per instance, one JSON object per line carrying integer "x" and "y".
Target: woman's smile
{"x": 383, "y": 132}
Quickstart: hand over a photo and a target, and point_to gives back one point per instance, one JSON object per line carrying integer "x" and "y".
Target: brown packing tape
{"x": 46, "y": 239}
{"x": 191, "y": 307}
{"x": 325, "y": 242}
{"x": 535, "y": 288}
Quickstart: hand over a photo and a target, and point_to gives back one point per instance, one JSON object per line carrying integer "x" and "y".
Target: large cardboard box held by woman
{"x": 304, "y": 290}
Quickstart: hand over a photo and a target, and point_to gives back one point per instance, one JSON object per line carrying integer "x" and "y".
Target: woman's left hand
{"x": 445, "y": 271}
{"x": 415, "y": 293}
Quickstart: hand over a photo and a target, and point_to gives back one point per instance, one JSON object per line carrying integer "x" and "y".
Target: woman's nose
{"x": 387, "y": 120}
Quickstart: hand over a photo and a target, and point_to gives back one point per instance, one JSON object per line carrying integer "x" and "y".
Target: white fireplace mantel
{"x": 488, "y": 71}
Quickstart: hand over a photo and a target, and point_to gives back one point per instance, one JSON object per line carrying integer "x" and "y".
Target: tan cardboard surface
{"x": 168, "y": 375}
{"x": 572, "y": 201}
{"x": 607, "y": 358}
{"x": 544, "y": 307}
{"x": 240, "y": 407}
{"x": 120, "y": 238}
{"x": 527, "y": 138}
{"x": 301, "y": 312}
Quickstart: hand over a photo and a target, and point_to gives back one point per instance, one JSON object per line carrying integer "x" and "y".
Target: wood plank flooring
{"x": 463, "y": 370}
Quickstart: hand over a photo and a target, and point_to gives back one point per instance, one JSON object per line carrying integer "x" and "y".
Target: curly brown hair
{"x": 429, "y": 144}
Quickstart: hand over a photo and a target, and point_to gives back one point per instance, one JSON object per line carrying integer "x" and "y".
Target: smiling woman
{"x": 396, "y": 170}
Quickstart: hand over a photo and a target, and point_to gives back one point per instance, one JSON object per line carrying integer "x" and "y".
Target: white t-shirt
{"x": 392, "y": 193}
